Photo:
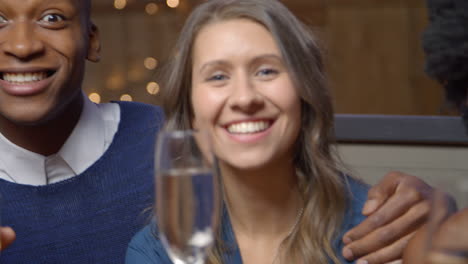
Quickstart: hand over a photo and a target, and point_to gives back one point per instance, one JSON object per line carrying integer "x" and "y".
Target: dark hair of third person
{"x": 445, "y": 43}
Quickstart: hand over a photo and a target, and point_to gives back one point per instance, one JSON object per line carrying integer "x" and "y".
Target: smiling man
{"x": 74, "y": 176}
{"x": 44, "y": 45}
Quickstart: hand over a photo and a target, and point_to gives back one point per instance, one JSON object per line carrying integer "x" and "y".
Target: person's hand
{"x": 450, "y": 236}
{"x": 7, "y": 236}
{"x": 396, "y": 207}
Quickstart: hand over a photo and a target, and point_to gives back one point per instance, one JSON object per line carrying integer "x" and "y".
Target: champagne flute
{"x": 187, "y": 208}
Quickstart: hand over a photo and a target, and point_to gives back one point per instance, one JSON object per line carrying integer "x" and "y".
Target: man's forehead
{"x": 80, "y": 3}
{"x": 83, "y": 6}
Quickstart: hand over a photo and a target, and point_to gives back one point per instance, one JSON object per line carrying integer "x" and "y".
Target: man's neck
{"x": 46, "y": 138}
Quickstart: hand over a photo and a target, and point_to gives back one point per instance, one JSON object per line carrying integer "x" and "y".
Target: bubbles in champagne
{"x": 185, "y": 210}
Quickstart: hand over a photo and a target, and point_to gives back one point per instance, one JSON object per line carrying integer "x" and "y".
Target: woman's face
{"x": 242, "y": 94}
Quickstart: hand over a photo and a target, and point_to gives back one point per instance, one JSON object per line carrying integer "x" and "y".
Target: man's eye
{"x": 52, "y": 18}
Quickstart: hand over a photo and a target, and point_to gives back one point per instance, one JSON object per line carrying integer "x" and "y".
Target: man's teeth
{"x": 248, "y": 127}
{"x": 24, "y": 77}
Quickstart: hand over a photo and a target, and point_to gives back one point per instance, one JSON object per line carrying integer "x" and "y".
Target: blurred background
{"x": 373, "y": 52}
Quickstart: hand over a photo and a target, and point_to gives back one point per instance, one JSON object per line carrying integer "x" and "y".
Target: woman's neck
{"x": 265, "y": 207}
{"x": 262, "y": 202}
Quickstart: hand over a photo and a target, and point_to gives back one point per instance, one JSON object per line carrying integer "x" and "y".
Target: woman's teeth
{"x": 248, "y": 127}
{"x": 24, "y": 77}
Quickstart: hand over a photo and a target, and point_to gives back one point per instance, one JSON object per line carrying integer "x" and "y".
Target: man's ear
{"x": 94, "y": 44}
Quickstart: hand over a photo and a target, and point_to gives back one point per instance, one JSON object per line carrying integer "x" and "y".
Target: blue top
{"x": 89, "y": 218}
{"x": 145, "y": 248}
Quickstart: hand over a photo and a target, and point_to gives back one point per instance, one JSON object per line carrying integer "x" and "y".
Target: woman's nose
{"x": 245, "y": 96}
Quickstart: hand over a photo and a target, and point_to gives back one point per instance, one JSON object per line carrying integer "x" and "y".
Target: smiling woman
{"x": 251, "y": 74}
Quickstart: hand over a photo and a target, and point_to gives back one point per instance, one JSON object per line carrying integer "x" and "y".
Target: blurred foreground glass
{"x": 447, "y": 242}
{"x": 187, "y": 194}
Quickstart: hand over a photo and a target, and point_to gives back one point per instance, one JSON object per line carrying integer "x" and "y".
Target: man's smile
{"x": 25, "y": 77}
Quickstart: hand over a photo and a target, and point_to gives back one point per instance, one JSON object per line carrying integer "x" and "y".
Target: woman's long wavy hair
{"x": 322, "y": 186}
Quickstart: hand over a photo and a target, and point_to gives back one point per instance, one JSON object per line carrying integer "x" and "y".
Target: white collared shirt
{"x": 88, "y": 141}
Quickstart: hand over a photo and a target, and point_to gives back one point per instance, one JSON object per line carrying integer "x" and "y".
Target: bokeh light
{"x": 126, "y": 97}
{"x": 152, "y": 88}
{"x": 136, "y": 72}
{"x": 94, "y": 97}
{"x": 151, "y": 8}
{"x": 120, "y": 4}
{"x": 172, "y": 3}
{"x": 115, "y": 81}
{"x": 150, "y": 63}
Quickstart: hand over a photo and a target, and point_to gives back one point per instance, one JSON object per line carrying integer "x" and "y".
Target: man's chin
{"x": 27, "y": 118}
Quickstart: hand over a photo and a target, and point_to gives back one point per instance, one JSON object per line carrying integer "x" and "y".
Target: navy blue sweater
{"x": 91, "y": 217}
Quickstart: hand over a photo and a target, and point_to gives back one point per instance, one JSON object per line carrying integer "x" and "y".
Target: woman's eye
{"x": 217, "y": 77}
{"x": 267, "y": 72}
{"x": 52, "y": 18}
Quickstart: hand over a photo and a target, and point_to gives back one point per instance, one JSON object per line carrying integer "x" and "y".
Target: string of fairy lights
{"x": 150, "y": 63}
{"x": 150, "y": 8}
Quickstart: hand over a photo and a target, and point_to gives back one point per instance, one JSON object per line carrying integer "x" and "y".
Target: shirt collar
{"x": 84, "y": 146}
{"x": 86, "y": 142}
{"x": 21, "y": 165}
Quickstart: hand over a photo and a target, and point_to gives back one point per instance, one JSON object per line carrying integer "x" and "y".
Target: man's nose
{"x": 21, "y": 41}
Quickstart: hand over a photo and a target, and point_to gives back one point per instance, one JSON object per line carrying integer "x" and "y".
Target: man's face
{"x": 43, "y": 48}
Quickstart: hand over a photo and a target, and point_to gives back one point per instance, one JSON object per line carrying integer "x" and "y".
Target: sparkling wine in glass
{"x": 187, "y": 208}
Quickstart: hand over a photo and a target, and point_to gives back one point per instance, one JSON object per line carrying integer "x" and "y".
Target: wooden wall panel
{"x": 374, "y": 54}
{"x": 376, "y": 62}
{"x": 369, "y": 55}
{"x": 427, "y": 94}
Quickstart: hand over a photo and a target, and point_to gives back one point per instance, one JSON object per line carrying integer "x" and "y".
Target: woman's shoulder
{"x": 356, "y": 189}
{"x": 356, "y": 197}
{"x": 145, "y": 247}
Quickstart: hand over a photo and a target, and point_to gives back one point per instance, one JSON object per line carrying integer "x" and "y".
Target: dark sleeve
{"x": 145, "y": 248}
